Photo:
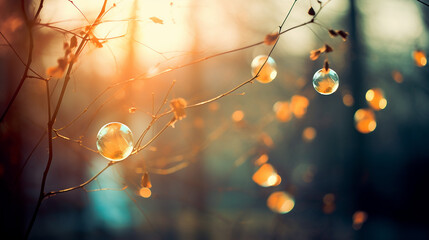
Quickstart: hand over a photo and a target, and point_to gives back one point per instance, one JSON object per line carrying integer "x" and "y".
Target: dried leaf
{"x": 55, "y": 72}
{"x": 311, "y": 11}
{"x": 314, "y": 54}
{"x": 333, "y": 33}
{"x": 343, "y": 34}
{"x": 270, "y": 39}
{"x": 326, "y": 67}
{"x": 73, "y": 42}
{"x": 157, "y": 20}
{"x": 96, "y": 42}
{"x": 328, "y": 48}
{"x": 178, "y": 106}
{"x": 145, "y": 182}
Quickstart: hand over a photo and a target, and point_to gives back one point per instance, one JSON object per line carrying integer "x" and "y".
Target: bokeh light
{"x": 375, "y": 99}
{"x": 420, "y": 58}
{"x": 266, "y": 176}
{"x": 283, "y": 111}
{"x": 237, "y": 116}
{"x": 365, "y": 120}
{"x": 309, "y": 134}
{"x": 299, "y": 105}
{"x": 268, "y": 73}
{"x": 115, "y": 141}
{"x": 348, "y": 100}
{"x": 324, "y": 82}
{"x": 329, "y": 203}
{"x": 261, "y": 160}
{"x": 359, "y": 217}
{"x": 280, "y": 202}
{"x": 397, "y": 76}
{"x": 145, "y": 192}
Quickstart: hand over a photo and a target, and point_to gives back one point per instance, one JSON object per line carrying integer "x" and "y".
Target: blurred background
{"x": 269, "y": 161}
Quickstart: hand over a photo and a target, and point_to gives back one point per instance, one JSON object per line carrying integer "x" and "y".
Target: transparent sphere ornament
{"x": 324, "y": 82}
{"x": 115, "y": 141}
{"x": 268, "y": 72}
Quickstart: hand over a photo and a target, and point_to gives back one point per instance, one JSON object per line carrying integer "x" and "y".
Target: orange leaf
{"x": 178, "y": 106}
{"x": 55, "y": 72}
{"x": 73, "y": 42}
{"x": 270, "y": 39}
{"x": 314, "y": 54}
{"x": 157, "y": 20}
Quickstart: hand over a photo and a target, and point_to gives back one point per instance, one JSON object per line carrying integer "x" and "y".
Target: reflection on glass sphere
{"x": 268, "y": 72}
{"x": 324, "y": 82}
{"x": 115, "y": 141}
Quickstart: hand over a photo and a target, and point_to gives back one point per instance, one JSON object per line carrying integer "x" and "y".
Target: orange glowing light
{"x": 329, "y": 203}
{"x": 145, "y": 192}
{"x": 214, "y": 106}
{"x": 348, "y": 100}
{"x": 375, "y": 99}
{"x": 238, "y": 116}
{"x": 132, "y": 109}
{"x": 199, "y": 122}
{"x": 359, "y": 217}
{"x": 283, "y": 111}
{"x": 266, "y": 176}
{"x": 261, "y": 160}
{"x": 420, "y": 58}
{"x": 397, "y": 76}
{"x": 267, "y": 140}
{"x": 365, "y": 120}
{"x": 299, "y": 105}
{"x": 309, "y": 134}
{"x": 280, "y": 202}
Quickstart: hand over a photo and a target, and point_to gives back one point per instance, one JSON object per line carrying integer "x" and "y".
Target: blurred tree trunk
{"x": 197, "y": 176}
{"x": 356, "y": 76}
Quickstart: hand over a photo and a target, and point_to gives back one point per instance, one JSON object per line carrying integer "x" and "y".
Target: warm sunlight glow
{"x": 266, "y": 176}
{"x": 280, "y": 202}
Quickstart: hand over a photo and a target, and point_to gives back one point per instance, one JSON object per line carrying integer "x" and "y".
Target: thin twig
{"x": 111, "y": 163}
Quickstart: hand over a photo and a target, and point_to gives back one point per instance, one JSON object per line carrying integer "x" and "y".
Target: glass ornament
{"x": 280, "y": 202}
{"x": 115, "y": 141}
{"x": 268, "y": 73}
{"x": 326, "y": 83}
